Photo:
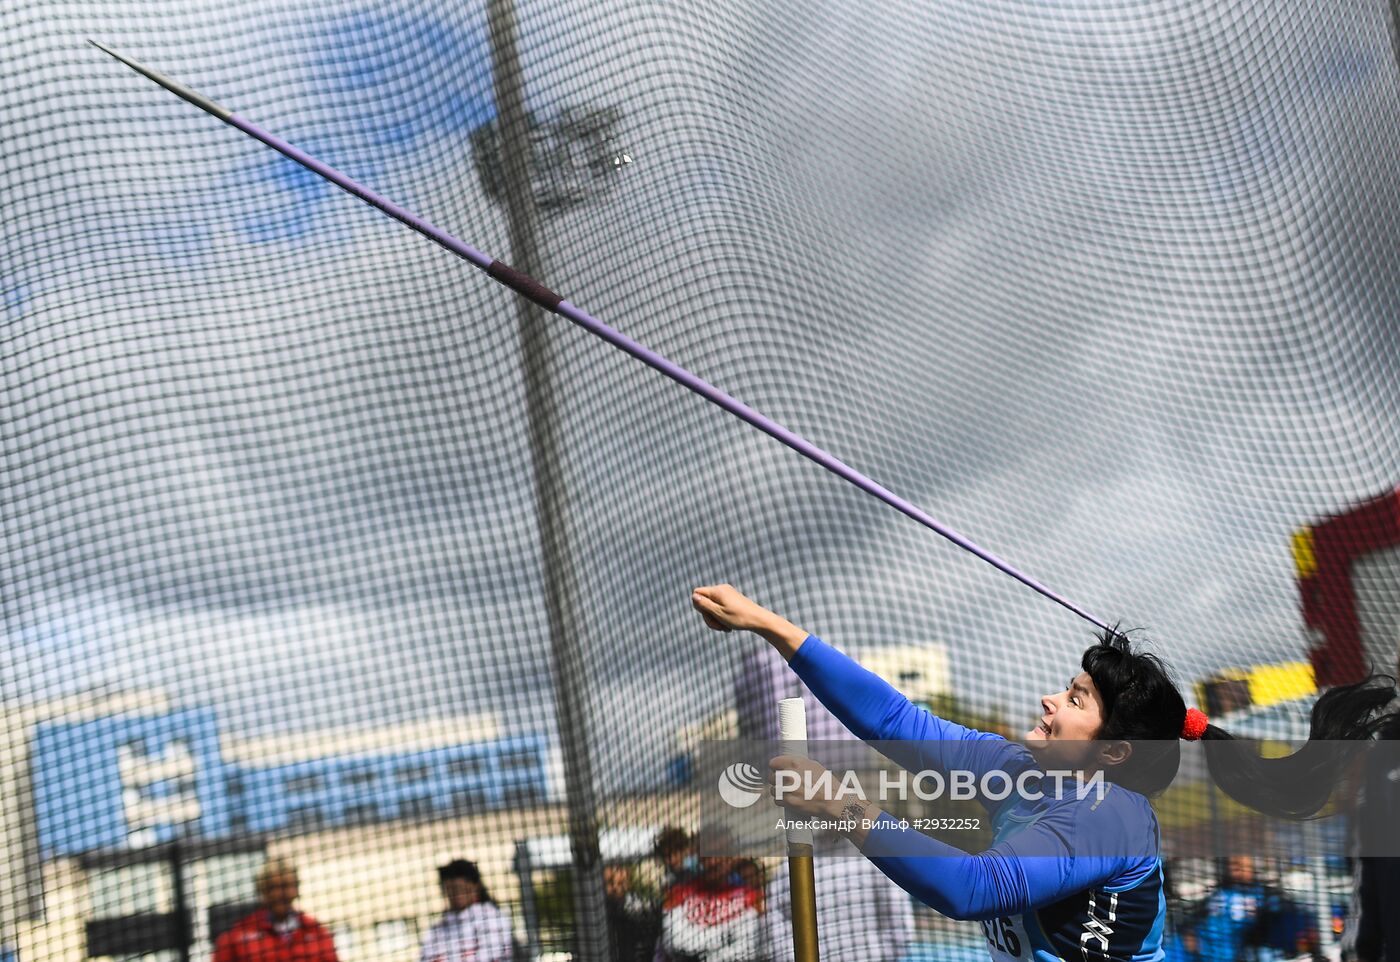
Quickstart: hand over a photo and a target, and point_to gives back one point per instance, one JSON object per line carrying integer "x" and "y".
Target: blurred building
{"x": 763, "y": 678}
{"x": 136, "y": 779}
{"x": 22, "y": 885}
{"x": 920, "y": 672}
{"x": 1256, "y": 686}
{"x": 118, "y": 810}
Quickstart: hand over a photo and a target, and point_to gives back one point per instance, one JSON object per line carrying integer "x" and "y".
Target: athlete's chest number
{"x": 1002, "y": 934}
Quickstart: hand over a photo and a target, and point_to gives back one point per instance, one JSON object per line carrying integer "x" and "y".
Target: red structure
{"x": 1326, "y": 556}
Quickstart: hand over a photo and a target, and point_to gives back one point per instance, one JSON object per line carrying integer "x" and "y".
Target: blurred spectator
{"x": 1233, "y": 913}
{"x": 472, "y": 926}
{"x": 1183, "y": 946}
{"x": 1246, "y": 919}
{"x": 748, "y": 872}
{"x": 676, "y": 850}
{"x": 861, "y": 914}
{"x": 714, "y": 917}
{"x": 276, "y": 932}
{"x": 634, "y": 916}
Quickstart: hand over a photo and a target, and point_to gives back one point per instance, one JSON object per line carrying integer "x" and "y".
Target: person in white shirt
{"x": 473, "y": 928}
{"x": 861, "y": 914}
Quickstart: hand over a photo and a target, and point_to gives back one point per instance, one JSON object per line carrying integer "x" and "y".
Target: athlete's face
{"x": 1072, "y": 715}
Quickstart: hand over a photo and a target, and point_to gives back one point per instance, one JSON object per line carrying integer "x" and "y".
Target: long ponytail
{"x": 1142, "y": 705}
{"x": 1297, "y": 786}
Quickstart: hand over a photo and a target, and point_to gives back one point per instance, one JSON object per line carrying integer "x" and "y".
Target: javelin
{"x": 533, "y": 290}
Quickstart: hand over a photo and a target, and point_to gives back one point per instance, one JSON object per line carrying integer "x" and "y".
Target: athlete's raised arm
{"x": 861, "y": 700}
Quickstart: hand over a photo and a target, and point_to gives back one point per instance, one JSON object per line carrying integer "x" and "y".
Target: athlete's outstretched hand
{"x": 725, "y": 608}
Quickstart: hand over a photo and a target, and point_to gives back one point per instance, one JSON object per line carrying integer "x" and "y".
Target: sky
{"x": 1111, "y": 291}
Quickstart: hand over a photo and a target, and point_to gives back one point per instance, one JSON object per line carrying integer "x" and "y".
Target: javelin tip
{"x": 178, "y": 89}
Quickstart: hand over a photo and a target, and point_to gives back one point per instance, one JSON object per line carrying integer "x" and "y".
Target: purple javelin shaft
{"x": 532, "y": 289}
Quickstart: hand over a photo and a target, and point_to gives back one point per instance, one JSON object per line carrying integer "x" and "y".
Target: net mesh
{"x": 1112, "y": 290}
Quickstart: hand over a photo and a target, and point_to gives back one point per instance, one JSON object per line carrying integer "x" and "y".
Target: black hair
{"x": 1141, "y": 704}
{"x": 1299, "y": 785}
{"x": 460, "y": 868}
{"x": 670, "y": 840}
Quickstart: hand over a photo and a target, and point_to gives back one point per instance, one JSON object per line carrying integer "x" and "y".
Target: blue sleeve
{"x": 875, "y": 711}
{"x": 1073, "y": 848}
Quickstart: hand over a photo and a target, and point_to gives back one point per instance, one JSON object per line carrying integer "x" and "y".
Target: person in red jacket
{"x": 276, "y": 932}
{"x": 714, "y": 916}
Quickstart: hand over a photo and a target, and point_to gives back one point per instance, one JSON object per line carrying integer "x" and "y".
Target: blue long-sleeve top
{"x": 1068, "y": 874}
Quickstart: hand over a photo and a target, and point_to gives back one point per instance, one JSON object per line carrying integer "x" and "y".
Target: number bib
{"x": 1006, "y": 939}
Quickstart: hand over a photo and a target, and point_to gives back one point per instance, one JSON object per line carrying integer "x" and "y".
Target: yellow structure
{"x": 1304, "y": 560}
{"x": 1267, "y": 684}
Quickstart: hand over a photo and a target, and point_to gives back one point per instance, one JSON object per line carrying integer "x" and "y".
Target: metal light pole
{"x": 560, "y": 584}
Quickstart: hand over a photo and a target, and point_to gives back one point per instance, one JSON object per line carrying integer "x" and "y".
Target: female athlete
{"x": 1070, "y": 874}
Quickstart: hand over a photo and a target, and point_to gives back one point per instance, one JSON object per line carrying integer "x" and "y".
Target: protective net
{"x": 320, "y": 548}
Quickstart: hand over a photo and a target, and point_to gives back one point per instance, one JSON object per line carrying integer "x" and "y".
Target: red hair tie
{"x": 1195, "y": 725}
